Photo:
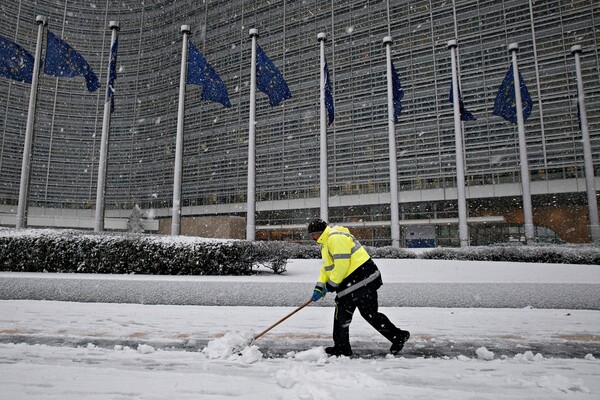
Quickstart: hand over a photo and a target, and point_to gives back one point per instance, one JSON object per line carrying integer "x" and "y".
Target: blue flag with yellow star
{"x": 328, "y": 96}
{"x": 505, "y": 105}
{"x": 465, "y": 115}
{"x": 397, "y": 94}
{"x": 200, "y": 72}
{"x": 15, "y": 62}
{"x": 112, "y": 75}
{"x": 64, "y": 61}
{"x": 269, "y": 80}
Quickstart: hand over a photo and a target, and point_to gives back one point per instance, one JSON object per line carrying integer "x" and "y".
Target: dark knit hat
{"x": 316, "y": 226}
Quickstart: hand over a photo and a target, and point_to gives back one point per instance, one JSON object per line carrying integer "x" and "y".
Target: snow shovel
{"x": 273, "y": 326}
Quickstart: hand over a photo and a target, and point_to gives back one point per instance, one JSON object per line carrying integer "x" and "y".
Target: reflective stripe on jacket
{"x": 342, "y": 254}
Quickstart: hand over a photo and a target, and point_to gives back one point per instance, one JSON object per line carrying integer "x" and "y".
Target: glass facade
{"x": 68, "y": 124}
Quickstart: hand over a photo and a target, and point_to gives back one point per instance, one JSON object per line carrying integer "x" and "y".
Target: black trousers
{"x": 368, "y": 306}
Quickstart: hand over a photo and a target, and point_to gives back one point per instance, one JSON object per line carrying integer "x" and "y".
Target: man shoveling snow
{"x": 349, "y": 271}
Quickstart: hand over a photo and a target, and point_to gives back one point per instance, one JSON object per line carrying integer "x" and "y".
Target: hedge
{"x": 46, "y": 250}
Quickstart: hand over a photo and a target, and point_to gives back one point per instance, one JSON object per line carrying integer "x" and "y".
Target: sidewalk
{"x": 436, "y": 332}
{"x": 407, "y": 283}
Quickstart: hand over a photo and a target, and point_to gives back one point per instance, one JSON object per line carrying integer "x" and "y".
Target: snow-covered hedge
{"x": 557, "y": 254}
{"x": 74, "y": 251}
{"x": 389, "y": 252}
{"x": 36, "y": 250}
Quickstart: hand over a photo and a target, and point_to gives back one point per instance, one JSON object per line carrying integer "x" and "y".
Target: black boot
{"x": 339, "y": 351}
{"x": 398, "y": 343}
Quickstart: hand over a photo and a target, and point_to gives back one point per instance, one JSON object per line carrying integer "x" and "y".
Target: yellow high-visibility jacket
{"x": 342, "y": 254}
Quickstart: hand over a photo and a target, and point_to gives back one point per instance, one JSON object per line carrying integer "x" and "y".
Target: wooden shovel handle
{"x": 283, "y": 319}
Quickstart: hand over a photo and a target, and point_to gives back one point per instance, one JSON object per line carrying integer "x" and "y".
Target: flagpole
{"x": 251, "y": 202}
{"x": 587, "y": 151}
{"x": 324, "y": 191}
{"x": 463, "y": 229}
{"x": 26, "y": 166}
{"x": 394, "y": 211}
{"x": 176, "y": 215}
{"x": 100, "y": 190}
{"x": 527, "y": 209}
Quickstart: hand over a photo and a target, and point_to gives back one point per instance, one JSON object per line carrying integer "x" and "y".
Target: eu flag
{"x": 506, "y": 104}
{"x": 397, "y": 93}
{"x": 465, "y": 115}
{"x": 64, "y": 61}
{"x": 328, "y": 96}
{"x": 200, "y": 72}
{"x": 15, "y": 62}
{"x": 269, "y": 80}
{"x": 112, "y": 75}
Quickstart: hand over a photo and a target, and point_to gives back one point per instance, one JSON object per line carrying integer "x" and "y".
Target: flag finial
{"x": 322, "y": 36}
{"x": 387, "y": 39}
{"x": 40, "y": 19}
{"x": 253, "y": 32}
{"x": 513, "y": 47}
{"x": 114, "y": 25}
{"x": 576, "y": 49}
{"x": 452, "y": 43}
{"x": 185, "y": 29}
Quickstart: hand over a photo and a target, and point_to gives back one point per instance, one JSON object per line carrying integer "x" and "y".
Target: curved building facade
{"x": 68, "y": 122}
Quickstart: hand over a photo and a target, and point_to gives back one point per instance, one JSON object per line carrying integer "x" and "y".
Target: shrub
{"x": 76, "y": 251}
{"x": 72, "y": 251}
{"x": 557, "y": 254}
{"x": 389, "y": 252}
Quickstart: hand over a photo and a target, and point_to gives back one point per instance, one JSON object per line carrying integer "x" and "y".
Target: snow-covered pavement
{"x": 96, "y": 350}
{"x": 409, "y": 283}
{"x": 69, "y": 351}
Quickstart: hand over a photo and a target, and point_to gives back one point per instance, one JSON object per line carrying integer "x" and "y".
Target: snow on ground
{"x": 93, "y": 350}
{"x": 73, "y": 351}
{"x": 45, "y": 372}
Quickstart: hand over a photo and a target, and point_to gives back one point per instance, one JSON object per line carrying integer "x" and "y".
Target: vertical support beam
{"x": 463, "y": 230}
{"x": 525, "y": 178}
{"x": 590, "y": 183}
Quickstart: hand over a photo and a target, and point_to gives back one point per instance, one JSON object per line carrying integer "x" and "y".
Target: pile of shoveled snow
{"x": 233, "y": 346}
{"x": 237, "y": 346}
